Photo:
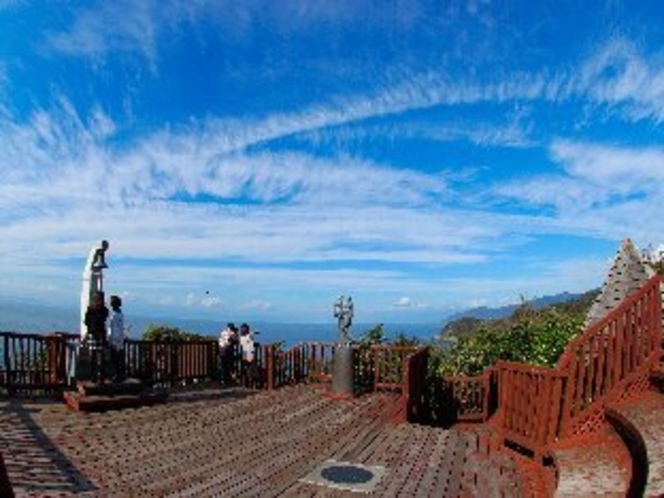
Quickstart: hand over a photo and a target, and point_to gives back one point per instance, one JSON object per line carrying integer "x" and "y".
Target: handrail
{"x": 469, "y": 398}
{"x": 414, "y": 386}
{"x": 171, "y": 362}
{"x": 653, "y": 285}
{"x": 611, "y": 354}
{"x": 388, "y": 365}
{"x": 529, "y": 400}
{"x": 539, "y": 406}
{"x": 32, "y": 361}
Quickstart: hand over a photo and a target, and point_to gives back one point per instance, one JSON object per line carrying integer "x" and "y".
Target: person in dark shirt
{"x": 95, "y": 320}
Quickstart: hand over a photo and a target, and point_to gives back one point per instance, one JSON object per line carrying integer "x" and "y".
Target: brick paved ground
{"x": 644, "y": 416}
{"x": 238, "y": 443}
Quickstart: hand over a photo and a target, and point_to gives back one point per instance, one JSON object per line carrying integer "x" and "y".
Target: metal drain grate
{"x": 346, "y": 476}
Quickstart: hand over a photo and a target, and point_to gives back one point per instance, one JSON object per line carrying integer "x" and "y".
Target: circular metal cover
{"x": 346, "y": 474}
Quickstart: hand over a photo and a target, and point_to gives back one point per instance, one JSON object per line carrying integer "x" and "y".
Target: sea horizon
{"x": 267, "y": 332}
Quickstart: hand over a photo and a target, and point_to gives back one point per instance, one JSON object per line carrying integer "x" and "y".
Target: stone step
{"x": 128, "y": 386}
{"x": 640, "y": 422}
{"x": 99, "y": 403}
{"x": 593, "y": 465}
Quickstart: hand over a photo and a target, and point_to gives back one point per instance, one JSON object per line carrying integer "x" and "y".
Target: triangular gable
{"x": 628, "y": 274}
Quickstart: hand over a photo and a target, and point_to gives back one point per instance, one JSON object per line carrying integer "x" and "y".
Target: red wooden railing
{"x": 414, "y": 395}
{"x": 468, "y": 398}
{"x": 388, "y": 365}
{"x": 288, "y": 367}
{"x": 32, "y": 362}
{"x": 530, "y": 405}
{"x": 170, "y": 362}
{"x": 320, "y": 358}
{"x": 613, "y": 358}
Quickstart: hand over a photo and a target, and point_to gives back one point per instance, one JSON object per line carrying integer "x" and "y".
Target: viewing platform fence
{"x": 469, "y": 398}
{"x": 535, "y": 407}
{"x": 34, "y": 363}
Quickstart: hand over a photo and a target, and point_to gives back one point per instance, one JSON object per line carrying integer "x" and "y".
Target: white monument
{"x": 93, "y": 280}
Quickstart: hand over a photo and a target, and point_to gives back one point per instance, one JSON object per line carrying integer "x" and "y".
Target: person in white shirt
{"x": 248, "y": 351}
{"x": 116, "y": 337}
{"x": 227, "y": 341}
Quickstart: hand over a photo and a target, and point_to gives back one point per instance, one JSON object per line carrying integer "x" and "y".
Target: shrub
{"x": 533, "y": 337}
{"x": 169, "y": 334}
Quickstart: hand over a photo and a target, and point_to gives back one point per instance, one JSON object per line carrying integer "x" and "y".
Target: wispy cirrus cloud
{"x": 607, "y": 190}
{"x": 261, "y": 198}
{"x": 618, "y": 74}
{"x": 124, "y": 26}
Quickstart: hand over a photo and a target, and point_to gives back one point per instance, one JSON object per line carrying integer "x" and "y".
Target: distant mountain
{"x": 486, "y": 313}
{"x": 466, "y": 322}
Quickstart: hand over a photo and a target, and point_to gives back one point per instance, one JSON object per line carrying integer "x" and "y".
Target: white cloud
{"x": 211, "y": 302}
{"x": 606, "y": 190}
{"x": 619, "y": 74}
{"x": 256, "y": 305}
{"x": 403, "y": 302}
{"x": 206, "y": 300}
{"x": 66, "y": 184}
{"x": 66, "y": 189}
{"x": 124, "y": 25}
{"x": 406, "y": 302}
{"x": 614, "y": 168}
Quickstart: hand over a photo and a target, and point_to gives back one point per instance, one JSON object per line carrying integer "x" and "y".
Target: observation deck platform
{"x": 238, "y": 442}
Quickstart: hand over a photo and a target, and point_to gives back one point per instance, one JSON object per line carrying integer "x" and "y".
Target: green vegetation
{"x": 376, "y": 336}
{"x": 364, "y": 360}
{"x": 163, "y": 333}
{"x": 536, "y": 337}
{"x": 654, "y": 260}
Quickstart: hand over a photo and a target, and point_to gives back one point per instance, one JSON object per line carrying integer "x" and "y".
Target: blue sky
{"x": 256, "y": 159}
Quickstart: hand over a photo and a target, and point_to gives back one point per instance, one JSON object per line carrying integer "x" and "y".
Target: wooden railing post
{"x": 8, "y": 366}
{"x": 375, "y": 351}
{"x": 56, "y": 358}
{"x": 270, "y": 366}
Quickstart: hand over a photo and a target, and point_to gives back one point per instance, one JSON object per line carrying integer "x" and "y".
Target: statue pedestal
{"x": 342, "y": 372}
{"x": 83, "y": 365}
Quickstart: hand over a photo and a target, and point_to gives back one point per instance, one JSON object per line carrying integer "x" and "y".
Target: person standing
{"x": 227, "y": 343}
{"x": 116, "y": 338}
{"x": 95, "y": 322}
{"x": 248, "y": 352}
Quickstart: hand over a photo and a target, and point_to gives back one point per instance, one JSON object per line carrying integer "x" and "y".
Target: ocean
{"x": 294, "y": 333}
{"x": 31, "y": 320}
